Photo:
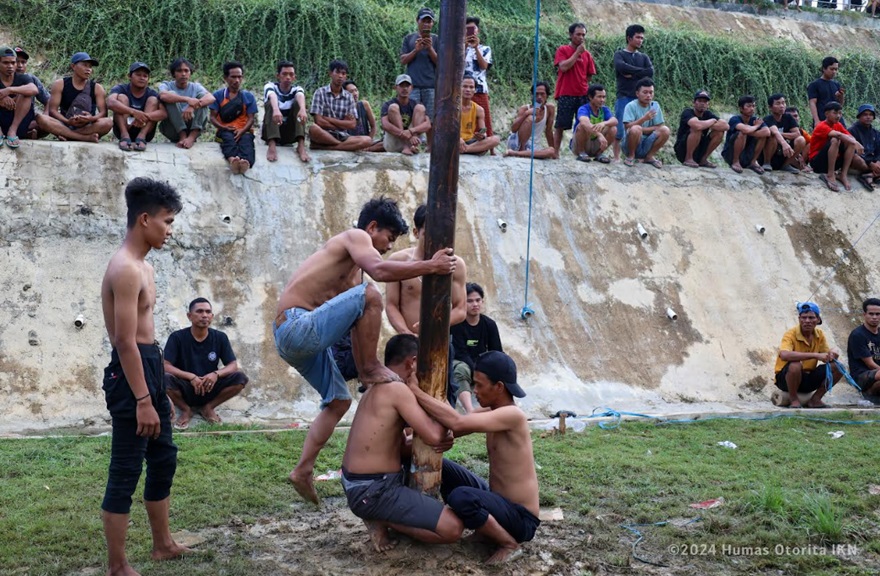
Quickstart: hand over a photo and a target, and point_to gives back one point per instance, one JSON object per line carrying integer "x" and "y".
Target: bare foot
{"x": 243, "y": 166}
{"x": 305, "y": 487}
{"x": 303, "y": 153}
{"x": 382, "y": 542}
{"x": 124, "y": 571}
{"x": 845, "y": 181}
{"x": 378, "y": 376}
{"x": 183, "y": 422}
{"x": 272, "y": 152}
{"x": 188, "y": 142}
{"x": 210, "y": 415}
{"x": 233, "y": 165}
{"x": 503, "y": 555}
{"x": 407, "y": 151}
{"x": 180, "y": 143}
{"x": 170, "y": 552}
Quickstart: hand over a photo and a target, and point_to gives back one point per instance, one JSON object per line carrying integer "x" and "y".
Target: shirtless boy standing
{"x": 506, "y": 510}
{"x": 371, "y": 468}
{"x": 324, "y": 299}
{"x": 134, "y": 386}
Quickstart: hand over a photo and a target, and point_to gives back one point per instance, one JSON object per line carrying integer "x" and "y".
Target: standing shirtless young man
{"x": 134, "y": 385}
{"x": 506, "y": 510}
{"x": 325, "y": 298}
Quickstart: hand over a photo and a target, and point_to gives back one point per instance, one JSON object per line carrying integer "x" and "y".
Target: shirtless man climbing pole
{"x": 134, "y": 386}
{"x": 324, "y": 299}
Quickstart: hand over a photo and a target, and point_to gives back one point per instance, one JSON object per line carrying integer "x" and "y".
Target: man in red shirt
{"x": 832, "y": 148}
{"x": 574, "y": 68}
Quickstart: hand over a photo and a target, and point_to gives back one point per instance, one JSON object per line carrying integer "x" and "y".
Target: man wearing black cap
{"x": 863, "y": 131}
{"x": 797, "y": 365}
{"x": 419, "y": 55}
{"x": 700, "y": 132}
{"x": 77, "y": 108}
{"x": 136, "y": 109}
{"x": 506, "y": 509}
{"x": 16, "y": 100}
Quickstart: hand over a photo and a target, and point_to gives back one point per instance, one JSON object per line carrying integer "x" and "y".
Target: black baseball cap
{"x": 20, "y": 53}
{"x": 135, "y": 66}
{"x": 426, "y": 13}
{"x": 702, "y": 94}
{"x": 6, "y": 51}
{"x": 499, "y": 367}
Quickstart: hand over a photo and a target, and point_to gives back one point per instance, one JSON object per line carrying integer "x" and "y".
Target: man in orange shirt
{"x": 832, "y": 148}
{"x": 232, "y": 112}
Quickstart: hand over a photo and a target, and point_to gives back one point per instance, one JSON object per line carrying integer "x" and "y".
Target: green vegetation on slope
{"x": 368, "y": 34}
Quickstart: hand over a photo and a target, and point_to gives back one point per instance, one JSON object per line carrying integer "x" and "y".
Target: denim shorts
{"x": 425, "y": 97}
{"x": 304, "y": 339}
{"x": 644, "y": 146}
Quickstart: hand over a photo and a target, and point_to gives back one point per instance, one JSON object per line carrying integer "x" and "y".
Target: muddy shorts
{"x": 384, "y": 497}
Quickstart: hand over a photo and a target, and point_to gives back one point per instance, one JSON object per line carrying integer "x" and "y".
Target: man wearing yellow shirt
{"x": 797, "y": 366}
{"x": 473, "y": 122}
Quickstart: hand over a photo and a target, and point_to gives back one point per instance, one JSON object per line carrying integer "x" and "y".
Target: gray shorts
{"x": 866, "y": 379}
{"x": 384, "y": 497}
{"x": 392, "y": 143}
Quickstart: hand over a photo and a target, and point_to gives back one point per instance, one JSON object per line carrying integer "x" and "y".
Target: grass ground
{"x": 796, "y": 501}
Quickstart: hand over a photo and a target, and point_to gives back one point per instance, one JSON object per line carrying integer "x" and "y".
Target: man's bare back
{"x": 512, "y": 462}
{"x": 405, "y": 297}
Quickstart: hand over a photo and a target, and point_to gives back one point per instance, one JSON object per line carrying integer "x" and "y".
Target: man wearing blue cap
{"x": 77, "y": 108}
{"x": 868, "y": 162}
{"x": 802, "y": 348}
{"x": 506, "y": 509}
{"x": 136, "y": 109}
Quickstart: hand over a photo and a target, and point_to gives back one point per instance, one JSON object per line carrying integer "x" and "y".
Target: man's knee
{"x": 466, "y": 505}
{"x": 160, "y": 474}
{"x": 372, "y": 297}
{"x": 339, "y": 406}
{"x": 795, "y": 369}
{"x": 634, "y": 132}
{"x": 663, "y": 131}
{"x": 449, "y": 526}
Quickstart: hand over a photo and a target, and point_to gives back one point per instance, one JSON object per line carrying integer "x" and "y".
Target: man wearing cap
{"x": 77, "y": 108}
{"x": 21, "y": 64}
{"x": 785, "y": 144}
{"x": 802, "y": 348}
{"x": 334, "y": 111}
{"x": 136, "y": 109}
{"x": 286, "y": 114}
{"x": 863, "y": 349}
{"x": 863, "y": 131}
{"x": 700, "y": 132}
{"x": 403, "y": 120}
{"x": 186, "y": 105}
{"x": 419, "y": 54}
{"x": 16, "y": 100}
{"x": 833, "y": 148}
{"x": 506, "y": 509}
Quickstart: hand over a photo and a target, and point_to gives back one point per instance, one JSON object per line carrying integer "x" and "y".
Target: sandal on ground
{"x": 831, "y": 185}
{"x": 13, "y": 142}
{"x": 707, "y": 164}
{"x": 756, "y": 169}
{"x": 866, "y": 181}
{"x": 691, "y": 164}
{"x": 654, "y": 162}
{"x": 139, "y": 145}
{"x": 629, "y": 162}
{"x": 125, "y": 144}
{"x": 603, "y": 160}
{"x": 584, "y": 157}
{"x": 737, "y": 169}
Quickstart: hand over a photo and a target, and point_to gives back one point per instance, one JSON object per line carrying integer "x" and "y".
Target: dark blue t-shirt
{"x": 823, "y": 91}
{"x": 133, "y": 102}
{"x": 421, "y": 69}
{"x": 732, "y": 132}
{"x": 862, "y": 344}
{"x": 200, "y": 358}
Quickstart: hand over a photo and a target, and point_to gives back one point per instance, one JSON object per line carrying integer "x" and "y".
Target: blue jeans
{"x": 305, "y": 338}
{"x": 619, "y": 106}
{"x": 644, "y": 146}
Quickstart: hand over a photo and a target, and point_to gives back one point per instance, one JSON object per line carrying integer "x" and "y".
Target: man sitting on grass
{"x": 506, "y": 509}
{"x": 802, "y": 348}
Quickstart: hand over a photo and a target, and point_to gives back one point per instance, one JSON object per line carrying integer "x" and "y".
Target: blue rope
{"x": 633, "y": 528}
{"x": 604, "y": 412}
{"x": 829, "y": 376}
{"x": 526, "y": 309}
{"x": 609, "y": 413}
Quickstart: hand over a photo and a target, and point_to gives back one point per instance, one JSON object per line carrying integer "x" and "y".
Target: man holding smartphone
{"x": 477, "y": 60}
{"x": 419, "y": 55}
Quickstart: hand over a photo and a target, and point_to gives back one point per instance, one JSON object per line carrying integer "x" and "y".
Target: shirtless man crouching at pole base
{"x": 325, "y": 298}
{"x": 134, "y": 384}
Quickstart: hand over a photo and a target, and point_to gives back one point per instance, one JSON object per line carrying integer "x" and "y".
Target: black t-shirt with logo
{"x": 862, "y": 344}
{"x": 199, "y": 358}
{"x": 471, "y": 341}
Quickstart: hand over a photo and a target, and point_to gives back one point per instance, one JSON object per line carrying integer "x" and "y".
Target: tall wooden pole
{"x": 433, "y": 359}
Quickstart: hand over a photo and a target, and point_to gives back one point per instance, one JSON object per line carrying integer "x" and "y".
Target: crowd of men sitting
{"x": 76, "y": 108}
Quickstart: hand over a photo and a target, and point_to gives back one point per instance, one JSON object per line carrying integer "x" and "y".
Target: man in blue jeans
{"x": 505, "y": 510}
{"x": 324, "y": 299}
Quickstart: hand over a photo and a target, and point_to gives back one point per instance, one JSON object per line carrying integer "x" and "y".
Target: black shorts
{"x": 810, "y": 381}
{"x": 189, "y": 394}
{"x": 566, "y": 108}
{"x": 819, "y": 162}
{"x": 699, "y": 152}
{"x": 747, "y": 155}
{"x": 120, "y": 399}
{"x": 385, "y": 497}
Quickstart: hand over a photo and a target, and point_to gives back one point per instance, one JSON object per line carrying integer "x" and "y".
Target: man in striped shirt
{"x": 285, "y": 119}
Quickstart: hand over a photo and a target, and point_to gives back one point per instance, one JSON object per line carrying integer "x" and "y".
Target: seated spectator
{"x": 16, "y": 100}
{"x": 366, "y": 124}
{"x": 874, "y": 5}
{"x": 646, "y": 131}
{"x": 746, "y": 137}
{"x": 833, "y": 148}
{"x": 285, "y": 119}
{"x": 797, "y": 365}
{"x": 473, "y": 122}
{"x": 77, "y": 108}
{"x": 785, "y": 143}
{"x": 186, "y": 105}
{"x": 595, "y": 127}
{"x": 802, "y": 160}
{"x": 403, "y": 120}
{"x": 863, "y": 349}
{"x": 136, "y": 109}
{"x": 335, "y": 114}
{"x": 21, "y": 64}
{"x": 700, "y": 132}
{"x": 825, "y": 89}
{"x": 519, "y": 143}
{"x": 863, "y": 131}
{"x": 477, "y": 334}
{"x": 193, "y": 377}
{"x": 232, "y": 112}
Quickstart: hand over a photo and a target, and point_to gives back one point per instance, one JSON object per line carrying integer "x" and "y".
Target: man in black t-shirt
{"x": 785, "y": 143}
{"x": 193, "y": 377}
{"x": 136, "y": 109}
{"x": 476, "y": 335}
{"x": 17, "y": 93}
{"x": 825, "y": 89}
{"x": 863, "y": 349}
{"x": 700, "y": 132}
{"x": 403, "y": 120}
{"x": 746, "y": 138}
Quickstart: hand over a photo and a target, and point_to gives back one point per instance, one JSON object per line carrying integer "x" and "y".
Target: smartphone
{"x": 471, "y": 29}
